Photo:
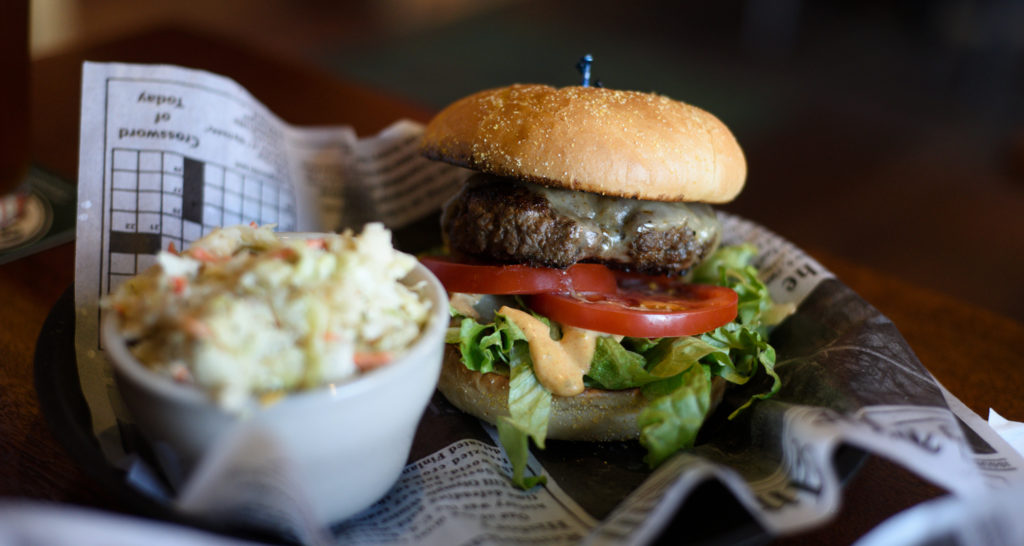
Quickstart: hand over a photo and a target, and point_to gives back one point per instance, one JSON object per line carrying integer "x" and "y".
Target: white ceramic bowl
{"x": 349, "y": 442}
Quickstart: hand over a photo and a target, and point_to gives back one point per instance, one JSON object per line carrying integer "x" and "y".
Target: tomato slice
{"x": 471, "y": 278}
{"x": 678, "y": 309}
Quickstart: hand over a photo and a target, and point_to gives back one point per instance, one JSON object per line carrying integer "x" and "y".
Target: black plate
{"x": 699, "y": 519}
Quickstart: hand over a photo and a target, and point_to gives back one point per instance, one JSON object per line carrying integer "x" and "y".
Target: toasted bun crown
{"x": 612, "y": 142}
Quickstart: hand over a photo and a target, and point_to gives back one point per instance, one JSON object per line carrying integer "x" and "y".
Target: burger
{"x": 591, "y": 298}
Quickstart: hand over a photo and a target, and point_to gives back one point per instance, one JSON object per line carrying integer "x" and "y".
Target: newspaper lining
{"x": 169, "y": 153}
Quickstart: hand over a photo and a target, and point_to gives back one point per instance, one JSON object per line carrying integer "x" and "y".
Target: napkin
{"x": 1011, "y": 431}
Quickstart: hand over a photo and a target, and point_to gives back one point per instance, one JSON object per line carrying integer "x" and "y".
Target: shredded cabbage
{"x": 244, "y": 312}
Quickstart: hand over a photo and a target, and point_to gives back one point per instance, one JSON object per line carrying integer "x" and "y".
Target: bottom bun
{"x": 595, "y": 415}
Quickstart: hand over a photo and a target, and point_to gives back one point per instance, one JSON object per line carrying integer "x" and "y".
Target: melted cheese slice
{"x": 559, "y": 365}
{"x": 609, "y": 227}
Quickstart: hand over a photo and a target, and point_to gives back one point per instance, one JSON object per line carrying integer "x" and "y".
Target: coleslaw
{"x": 244, "y": 312}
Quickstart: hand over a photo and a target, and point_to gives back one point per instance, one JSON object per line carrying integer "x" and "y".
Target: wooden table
{"x": 974, "y": 353}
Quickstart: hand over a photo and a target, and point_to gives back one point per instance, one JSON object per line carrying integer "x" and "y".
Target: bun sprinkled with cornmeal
{"x": 606, "y": 141}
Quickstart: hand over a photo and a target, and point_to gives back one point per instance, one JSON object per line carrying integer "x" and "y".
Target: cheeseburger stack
{"x": 568, "y": 250}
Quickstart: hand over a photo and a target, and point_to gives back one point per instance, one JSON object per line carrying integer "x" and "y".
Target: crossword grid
{"x": 159, "y": 198}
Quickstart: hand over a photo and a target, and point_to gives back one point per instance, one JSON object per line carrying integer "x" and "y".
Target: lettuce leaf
{"x": 677, "y": 409}
{"x": 529, "y": 403}
{"x": 515, "y": 443}
{"x": 678, "y": 406}
{"x": 529, "y": 406}
{"x": 614, "y": 367}
{"x": 743, "y": 350}
{"x": 485, "y": 347}
{"x": 675, "y": 355}
{"x": 731, "y": 266}
{"x": 500, "y": 346}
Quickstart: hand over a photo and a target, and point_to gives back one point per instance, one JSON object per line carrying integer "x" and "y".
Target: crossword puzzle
{"x": 159, "y": 198}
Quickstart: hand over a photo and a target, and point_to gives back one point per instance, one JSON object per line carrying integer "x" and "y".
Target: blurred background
{"x": 895, "y": 130}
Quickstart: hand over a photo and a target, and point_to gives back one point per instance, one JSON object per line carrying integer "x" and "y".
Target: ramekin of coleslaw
{"x": 331, "y": 342}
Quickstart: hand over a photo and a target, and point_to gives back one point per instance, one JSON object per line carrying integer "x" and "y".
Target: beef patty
{"x": 506, "y": 220}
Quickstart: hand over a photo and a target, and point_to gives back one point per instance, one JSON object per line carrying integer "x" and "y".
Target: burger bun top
{"x": 606, "y": 141}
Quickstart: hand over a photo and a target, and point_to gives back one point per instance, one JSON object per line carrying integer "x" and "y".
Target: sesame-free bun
{"x": 594, "y": 415}
{"x": 612, "y": 142}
